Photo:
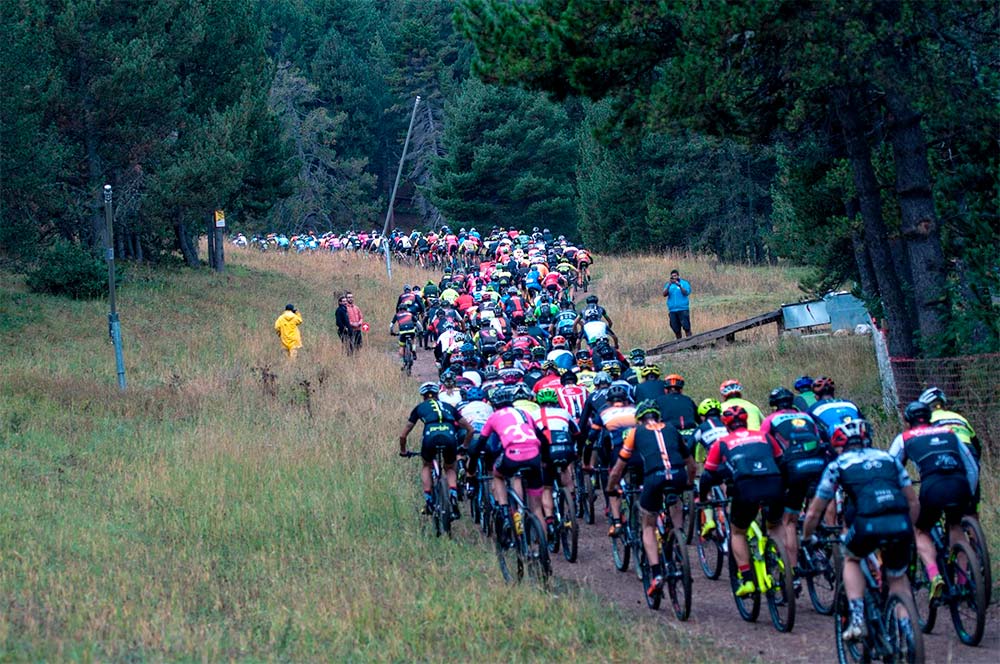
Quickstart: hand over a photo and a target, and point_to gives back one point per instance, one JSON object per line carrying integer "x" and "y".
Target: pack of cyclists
{"x": 533, "y": 379}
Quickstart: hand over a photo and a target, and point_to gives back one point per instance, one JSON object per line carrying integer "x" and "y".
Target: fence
{"x": 971, "y": 382}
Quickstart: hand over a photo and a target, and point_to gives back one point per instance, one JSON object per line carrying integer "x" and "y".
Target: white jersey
{"x": 473, "y": 377}
{"x": 476, "y": 413}
{"x": 594, "y": 330}
{"x": 452, "y": 397}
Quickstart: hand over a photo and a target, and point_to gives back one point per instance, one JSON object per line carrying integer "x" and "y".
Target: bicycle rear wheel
{"x": 584, "y": 496}
{"x": 635, "y": 534}
{"x": 749, "y": 606}
{"x": 821, "y": 581}
{"x": 642, "y": 563}
{"x": 689, "y": 516}
{"x": 620, "y": 550}
{"x": 968, "y": 603}
{"x": 536, "y": 551}
{"x": 974, "y": 531}
{"x": 678, "y": 574}
{"x": 506, "y": 544}
{"x": 408, "y": 358}
{"x": 569, "y": 533}
{"x": 901, "y": 623}
{"x": 711, "y": 556}
{"x": 443, "y": 509}
{"x": 781, "y": 594}
{"x": 920, "y": 584}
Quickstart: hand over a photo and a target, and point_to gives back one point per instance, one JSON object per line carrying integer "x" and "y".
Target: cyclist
{"x": 636, "y": 362}
{"x": 678, "y": 408}
{"x": 572, "y": 396}
{"x": 710, "y": 429}
{"x": 559, "y": 434}
{"x": 650, "y": 387}
{"x": 732, "y": 395}
{"x": 948, "y": 476}
{"x": 880, "y": 506}
{"x": 441, "y": 422}
{"x": 667, "y": 470}
{"x": 408, "y": 325}
{"x": 585, "y": 376}
{"x": 560, "y": 353}
{"x": 806, "y": 397}
{"x": 520, "y": 447}
{"x": 611, "y": 423}
{"x": 475, "y": 409}
{"x": 937, "y": 400}
{"x": 804, "y": 455}
{"x": 524, "y": 399}
{"x": 829, "y": 411}
{"x": 450, "y": 392}
{"x": 750, "y": 462}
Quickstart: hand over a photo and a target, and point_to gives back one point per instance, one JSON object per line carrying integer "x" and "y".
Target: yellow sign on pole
{"x": 220, "y": 219}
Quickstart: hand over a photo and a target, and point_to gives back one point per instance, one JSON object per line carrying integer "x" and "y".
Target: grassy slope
{"x": 198, "y": 517}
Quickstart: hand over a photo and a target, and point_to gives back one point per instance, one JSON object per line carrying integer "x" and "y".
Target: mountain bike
{"x": 520, "y": 544}
{"x": 481, "y": 503}
{"x": 772, "y": 574}
{"x": 891, "y": 621}
{"x": 714, "y": 548}
{"x": 629, "y": 537}
{"x": 567, "y": 532}
{"x": 676, "y": 566}
{"x": 440, "y": 513}
{"x": 820, "y": 565}
{"x": 974, "y": 531}
{"x": 964, "y": 592}
{"x": 584, "y": 494}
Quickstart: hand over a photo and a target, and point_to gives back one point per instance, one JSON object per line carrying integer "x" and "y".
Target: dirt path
{"x": 713, "y": 614}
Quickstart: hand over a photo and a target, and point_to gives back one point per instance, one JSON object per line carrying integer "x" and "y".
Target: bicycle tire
{"x": 821, "y": 581}
{"x": 443, "y": 505}
{"x": 689, "y": 516}
{"x": 569, "y": 532}
{"x": 920, "y": 587}
{"x": 781, "y": 595}
{"x": 621, "y": 551}
{"x": 971, "y": 595}
{"x": 848, "y": 652}
{"x": 977, "y": 538}
{"x": 913, "y": 652}
{"x": 710, "y": 556}
{"x": 584, "y": 492}
{"x": 507, "y": 552}
{"x": 408, "y": 357}
{"x": 535, "y": 552}
{"x": 749, "y": 606}
{"x": 652, "y": 601}
{"x": 635, "y": 533}
{"x": 678, "y": 574}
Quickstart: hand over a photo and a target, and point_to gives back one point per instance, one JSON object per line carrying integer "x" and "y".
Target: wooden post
{"x": 211, "y": 243}
{"x": 217, "y": 242}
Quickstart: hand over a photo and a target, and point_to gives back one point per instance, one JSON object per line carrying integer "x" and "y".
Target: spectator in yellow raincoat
{"x": 287, "y": 327}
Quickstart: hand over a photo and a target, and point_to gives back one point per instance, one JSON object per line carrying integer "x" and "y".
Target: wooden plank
{"x": 712, "y": 336}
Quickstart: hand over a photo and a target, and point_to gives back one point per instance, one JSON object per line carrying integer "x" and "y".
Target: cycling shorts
{"x": 403, "y": 334}
{"x": 531, "y": 472}
{"x": 891, "y": 533}
{"x": 656, "y": 487}
{"x": 798, "y": 488}
{"x": 948, "y": 495}
{"x": 429, "y": 446}
{"x": 749, "y": 498}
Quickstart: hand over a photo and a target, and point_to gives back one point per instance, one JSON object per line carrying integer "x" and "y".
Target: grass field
{"x": 233, "y": 505}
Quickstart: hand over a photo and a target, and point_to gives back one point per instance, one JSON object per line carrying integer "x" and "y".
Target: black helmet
{"x": 617, "y": 393}
{"x": 591, "y": 299}
{"x": 917, "y": 412}
{"x": 502, "y": 396}
{"x": 780, "y": 397}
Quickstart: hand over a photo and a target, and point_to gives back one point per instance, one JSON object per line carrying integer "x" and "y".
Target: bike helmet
{"x": 429, "y": 388}
{"x": 735, "y": 417}
{"x": 559, "y": 341}
{"x": 613, "y": 367}
{"x": 933, "y": 395}
{"x": 591, "y": 299}
{"x": 602, "y": 378}
{"x": 547, "y": 396}
{"x": 474, "y": 394}
{"x": 448, "y": 376}
{"x": 708, "y": 405}
{"x": 650, "y": 370}
{"x": 402, "y": 306}
{"x": 489, "y": 373}
{"x": 522, "y": 391}
{"x": 548, "y": 364}
{"x": 917, "y": 412}
{"x": 780, "y": 398}
{"x": 823, "y": 386}
{"x": 567, "y": 377}
{"x": 803, "y": 383}
{"x": 617, "y": 393}
{"x": 731, "y": 388}
{"x": 674, "y": 380}
{"x": 855, "y": 432}
{"x": 647, "y": 407}
{"x": 637, "y": 356}
{"x": 585, "y": 363}
{"x": 537, "y": 351}
{"x": 512, "y": 376}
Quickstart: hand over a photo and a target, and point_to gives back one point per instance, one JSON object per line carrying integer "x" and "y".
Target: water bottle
{"x": 518, "y": 528}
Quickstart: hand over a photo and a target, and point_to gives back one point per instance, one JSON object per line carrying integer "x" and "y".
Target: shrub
{"x": 66, "y": 268}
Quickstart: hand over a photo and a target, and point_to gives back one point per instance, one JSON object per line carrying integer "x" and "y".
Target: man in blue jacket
{"x": 678, "y": 291}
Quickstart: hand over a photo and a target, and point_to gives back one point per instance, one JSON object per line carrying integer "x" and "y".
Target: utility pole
{"x": 114, "y": 328}
{"x": 392, "y": 198}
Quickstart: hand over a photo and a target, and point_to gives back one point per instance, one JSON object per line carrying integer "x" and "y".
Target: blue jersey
{"x": 828, "y": 413}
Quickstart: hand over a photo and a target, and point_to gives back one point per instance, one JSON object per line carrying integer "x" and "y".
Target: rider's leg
{"x": 425, "y": 476}
{"x": 649, "y": 542}
{"x": 788, "y": 527}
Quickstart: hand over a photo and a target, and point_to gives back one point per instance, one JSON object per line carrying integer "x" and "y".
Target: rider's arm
{"x": 470, "y": 431}
{"x": 816, "y": 509}
{"x": 623, "y": 456}
{"x": 402, "y": 436}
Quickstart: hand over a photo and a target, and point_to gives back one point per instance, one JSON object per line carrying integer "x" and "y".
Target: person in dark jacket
{"x": 344, "y": 326}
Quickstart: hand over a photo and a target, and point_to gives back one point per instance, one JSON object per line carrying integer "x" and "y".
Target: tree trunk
{"x": 920, "y": 228}
{"x": 900, "y": 339}
{"x": 866, "y": 273}
{"x": 211, "y": 241}
{"x": 188, "y": 250}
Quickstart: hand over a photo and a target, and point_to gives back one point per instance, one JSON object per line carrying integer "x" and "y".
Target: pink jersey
{"x": 516, "y": 431}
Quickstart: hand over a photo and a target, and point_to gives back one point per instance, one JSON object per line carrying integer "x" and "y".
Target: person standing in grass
{"x": 344, "y": 325}
{"x": 355, "y": 319}
{"x": 678, "y": 293}
{"x": 287, "y": 329}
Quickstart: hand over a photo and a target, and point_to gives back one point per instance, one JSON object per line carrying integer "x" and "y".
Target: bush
{"x": 66, "y": 268}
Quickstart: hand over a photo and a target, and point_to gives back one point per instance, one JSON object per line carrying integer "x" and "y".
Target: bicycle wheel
{"x": 443, "y": 511}
{"x": 506, "y": 544}
{"x": 974, "y": 531}
{"x": 920, "y": 584}
{"x": 408, "y": 357}
{"x": 905, "y": 640}
{"x": 781, "y": 594}
{"x": 635, "y": 533}
{"x": 536, "y": 550}
{"x": 821, "y": 581}
{"x": 678, "y": 575}
{"x": 620, "y": 549}
{"x": 584, "y": 495}
{"x": 569, "y": 533}
{"x": 710, "y": 555}
{"x": 749, "y": 606}
{"x": 689, "y": 516}
{"x": 968, "y": 596}
{"x": 848, "y": 652}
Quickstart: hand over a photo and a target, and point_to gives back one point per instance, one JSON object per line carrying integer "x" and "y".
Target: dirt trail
{"x": 713, "y": 614}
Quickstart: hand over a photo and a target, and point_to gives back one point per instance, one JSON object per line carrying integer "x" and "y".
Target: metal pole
{"x": 114, "y": 328}
{"x": 395, "y": 186}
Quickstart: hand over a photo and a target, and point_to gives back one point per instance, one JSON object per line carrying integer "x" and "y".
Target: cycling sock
{"x": 744, "y": 571}
{"x": 453, "y": 492}
{"x": 549, "y": 520}
{"x": 932, "y": 571}
{"x": 428, "y": 497}
{"x": 857, "y": 609}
